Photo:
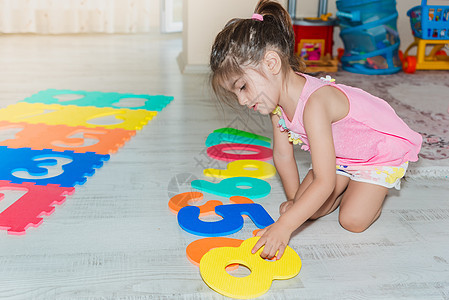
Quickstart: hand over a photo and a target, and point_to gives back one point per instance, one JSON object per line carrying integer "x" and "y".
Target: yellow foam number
{"x": 243, "y": 168}
{"x": 213, "y": 270}
{"x": 70, "y": 115}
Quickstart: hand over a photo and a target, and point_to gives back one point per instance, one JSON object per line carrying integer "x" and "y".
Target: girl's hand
{"x": 275, "y": 239}
{"x": 285, "y": 206}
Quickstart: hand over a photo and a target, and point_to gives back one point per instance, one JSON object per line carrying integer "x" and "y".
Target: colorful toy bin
{"x": 370, "y": 36}
{"x": 430, "y": 28}
{"x": 314, "y": 38}
{"x": 435, "y": 23}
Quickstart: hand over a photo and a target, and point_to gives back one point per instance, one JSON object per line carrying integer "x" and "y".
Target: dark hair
{"x": 244, "y": 42}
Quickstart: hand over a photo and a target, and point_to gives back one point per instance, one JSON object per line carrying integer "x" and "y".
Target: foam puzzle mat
{"x": 62, "y": 137}
{"x": 99, "y": 99}
{"x": 55, "y": 140}
{"x": 71, "y": 115}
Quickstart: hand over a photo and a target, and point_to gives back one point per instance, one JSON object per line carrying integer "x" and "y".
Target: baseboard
{"x": 190, "y": 68}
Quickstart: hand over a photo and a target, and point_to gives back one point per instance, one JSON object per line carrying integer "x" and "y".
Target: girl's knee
{"x": 353, "y": 223}
{"x": 361, "y": 206}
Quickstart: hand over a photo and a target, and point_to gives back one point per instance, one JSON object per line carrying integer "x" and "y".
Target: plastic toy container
{"x": 435, "y": 23}
{"x": 430, "y": 27}
{"x": 370, "y": 37}
{"x": 357, "y": 12}
{"x": 314, "y": 30}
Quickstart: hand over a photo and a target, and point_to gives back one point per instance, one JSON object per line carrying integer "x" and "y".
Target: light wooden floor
{"x": 115, "y": 237}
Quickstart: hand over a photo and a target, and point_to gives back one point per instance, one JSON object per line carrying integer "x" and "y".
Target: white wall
{"x": 203, "y": 19}
{"x": 78, "y": 16}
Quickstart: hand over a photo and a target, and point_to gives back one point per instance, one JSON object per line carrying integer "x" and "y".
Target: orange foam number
{"x": 240, "y": 200}
{"x": 213, "y": 270}
{"x": 196, "y": 250}
{"x": 184, "y": 199}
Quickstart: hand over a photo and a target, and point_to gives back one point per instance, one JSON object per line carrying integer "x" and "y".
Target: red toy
{"x": 314, "y": 38}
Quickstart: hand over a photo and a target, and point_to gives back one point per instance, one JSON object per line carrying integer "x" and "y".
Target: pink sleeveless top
{"x": 371, "y": 134}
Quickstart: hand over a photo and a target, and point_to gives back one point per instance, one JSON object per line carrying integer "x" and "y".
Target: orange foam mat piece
{"x": 61, "y": 137}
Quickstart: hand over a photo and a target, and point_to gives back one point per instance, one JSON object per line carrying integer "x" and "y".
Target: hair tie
{"x": 257, "y": 17}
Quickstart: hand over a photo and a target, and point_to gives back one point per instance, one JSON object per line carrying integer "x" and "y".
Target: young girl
{"x": 359, "y": 146}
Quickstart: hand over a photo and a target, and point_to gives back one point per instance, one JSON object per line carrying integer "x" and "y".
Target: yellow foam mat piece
{"x": 213, "y": 270}
{"x": 71, "y": 115}
{"x": 243, "y": 168}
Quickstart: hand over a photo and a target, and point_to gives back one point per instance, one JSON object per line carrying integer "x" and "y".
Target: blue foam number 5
{"x": 188, "y": 219}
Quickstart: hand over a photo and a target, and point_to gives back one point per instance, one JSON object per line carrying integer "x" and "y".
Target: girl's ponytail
{"x": 244, "y": 42}
{"x": 274, "y": 13}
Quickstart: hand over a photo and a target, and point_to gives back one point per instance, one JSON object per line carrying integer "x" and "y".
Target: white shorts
{"x": 388, "y": 177}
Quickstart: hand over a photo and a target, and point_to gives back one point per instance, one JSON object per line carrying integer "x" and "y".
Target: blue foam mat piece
{"x": 37, "y": 163}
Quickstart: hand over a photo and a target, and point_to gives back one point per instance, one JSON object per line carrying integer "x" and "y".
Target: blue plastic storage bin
{"x": 358, "y": 12}
{"x": 369, "y": 33}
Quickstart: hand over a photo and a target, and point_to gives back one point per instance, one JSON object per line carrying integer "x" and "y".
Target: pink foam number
{"x": 26, "y": 211}
{"x": 220, "y": 152}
